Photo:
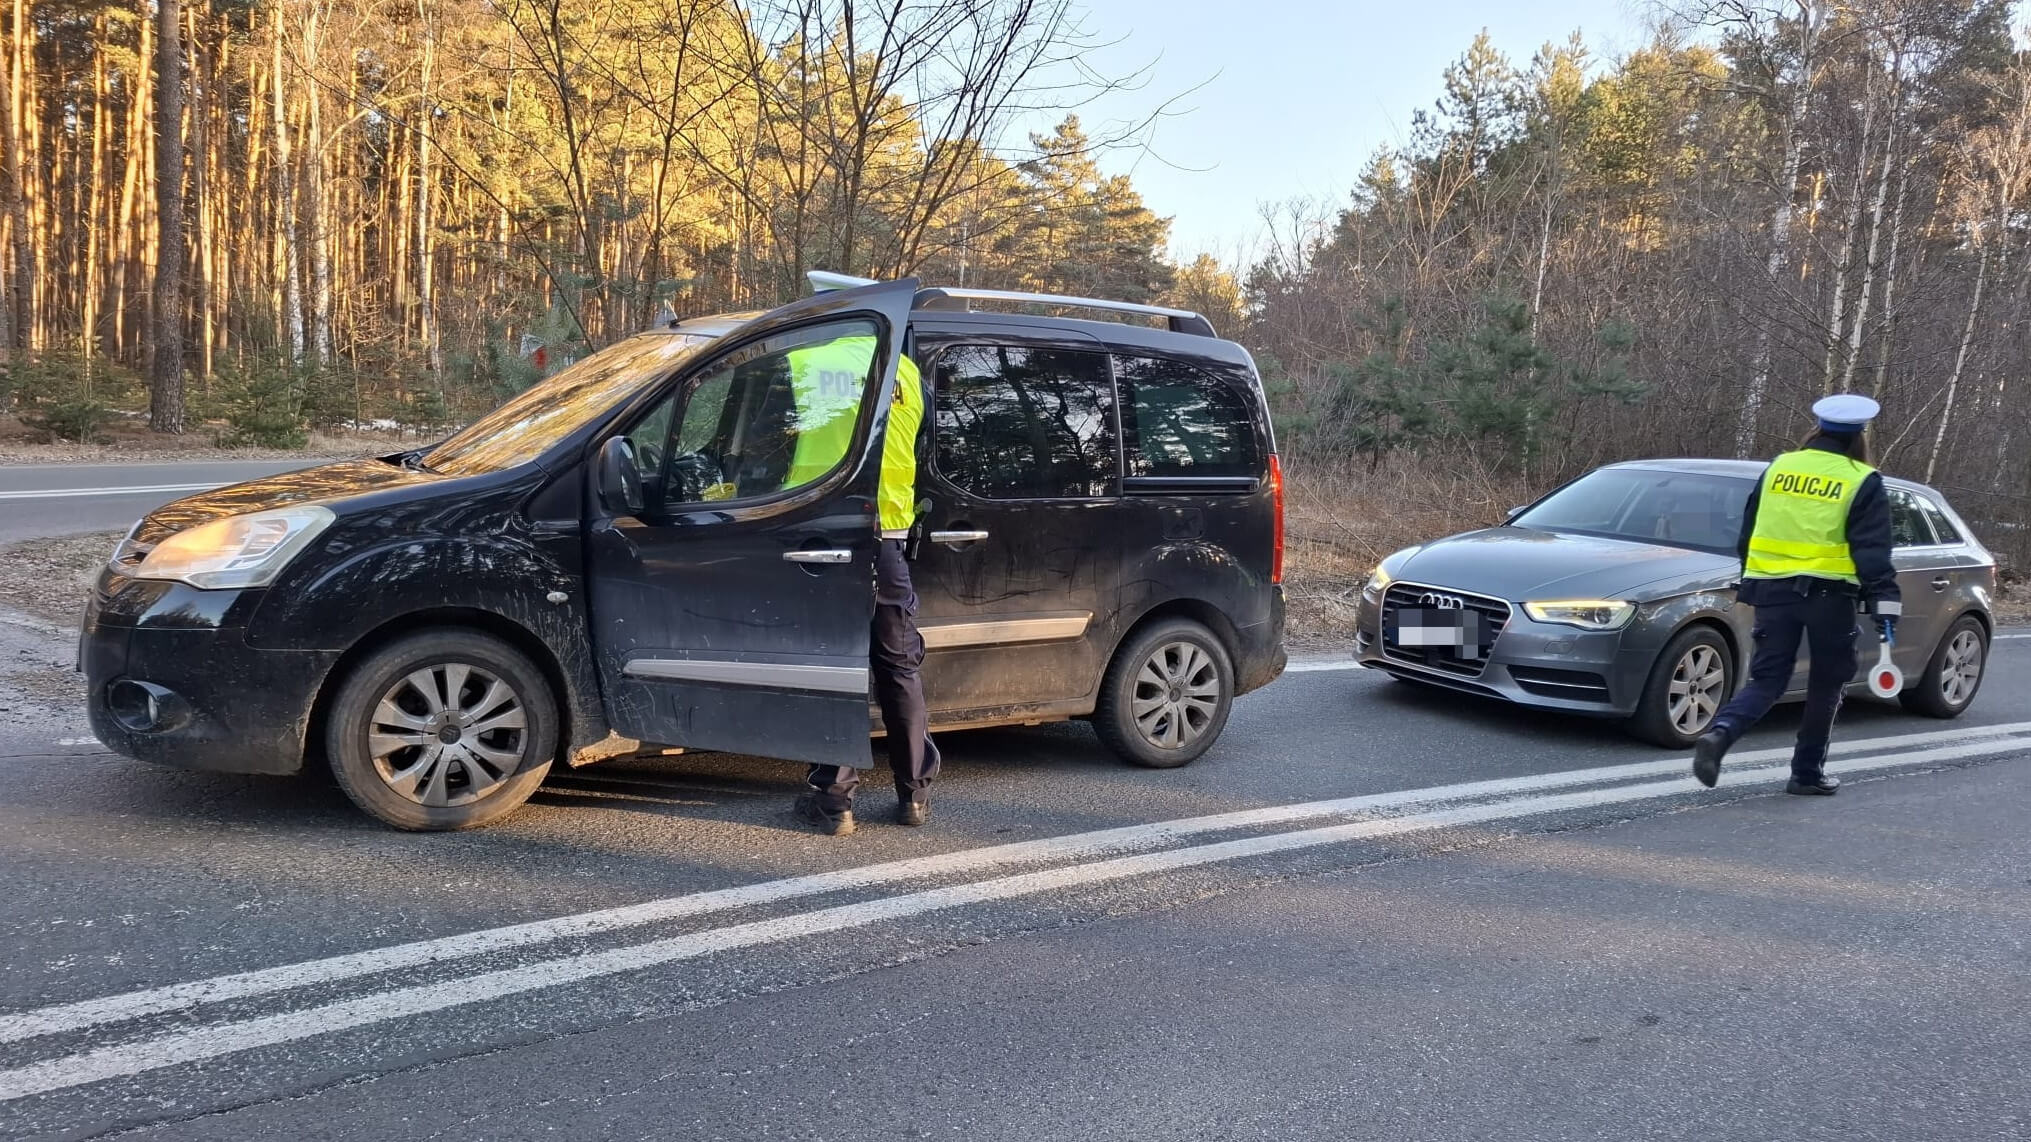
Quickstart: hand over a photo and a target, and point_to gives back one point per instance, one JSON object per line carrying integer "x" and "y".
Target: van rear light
{"x": 1276, "y": 534}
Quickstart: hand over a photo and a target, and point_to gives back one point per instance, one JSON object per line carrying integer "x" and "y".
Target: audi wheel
{"x": 1954, "y": 672}
{"x": 1689, "y": 683}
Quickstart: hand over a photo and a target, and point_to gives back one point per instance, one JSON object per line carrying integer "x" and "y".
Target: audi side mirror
{"x": 620, "y": 481}
{"x": 1510, "y": 515}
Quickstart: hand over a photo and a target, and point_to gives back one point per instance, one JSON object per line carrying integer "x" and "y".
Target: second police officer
{"x": 1815, "y": 545}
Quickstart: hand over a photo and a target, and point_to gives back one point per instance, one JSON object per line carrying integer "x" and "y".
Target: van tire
{"x": 499, "y": 691}
{"x": 1192, "y": 713}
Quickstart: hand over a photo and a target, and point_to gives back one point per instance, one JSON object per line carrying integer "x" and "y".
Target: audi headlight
{"x": 237, "y": 551}
{"x": 1378, "y": 582}
{"x": 1587, "y": 614}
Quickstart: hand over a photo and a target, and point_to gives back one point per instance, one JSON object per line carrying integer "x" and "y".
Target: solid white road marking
{"x": 75, "y": 493}
{"x": 1319, "y": 665}
{"x": 1073, "y": 847}
{"x": 2025, "y": 635}
{"x": 230, "y": 1038}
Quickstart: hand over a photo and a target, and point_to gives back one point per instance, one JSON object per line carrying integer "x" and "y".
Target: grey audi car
{"x": 1613, "y": 597}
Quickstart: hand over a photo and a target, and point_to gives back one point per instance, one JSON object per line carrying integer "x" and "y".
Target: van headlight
{"x": 237, "y": 551}
{"x": 1587, "y": 614}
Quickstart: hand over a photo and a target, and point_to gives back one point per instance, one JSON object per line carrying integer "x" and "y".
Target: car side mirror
{"x": 1510, "y": 515}
{"x": 620, "y": 481}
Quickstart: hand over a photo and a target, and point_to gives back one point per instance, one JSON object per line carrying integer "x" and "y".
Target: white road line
{"x": 76, "y": 493}
{"x": 1319, "y": 665}
{"x": 1076, "y": 846}
{"x": 2027, "y": 635}
{"x": 144, "y": 1055}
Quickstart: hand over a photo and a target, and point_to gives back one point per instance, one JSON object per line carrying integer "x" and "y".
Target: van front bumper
{"x": 170, "y": 679}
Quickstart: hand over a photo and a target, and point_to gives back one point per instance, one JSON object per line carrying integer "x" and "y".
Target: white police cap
{"x": 1845, "y": 412}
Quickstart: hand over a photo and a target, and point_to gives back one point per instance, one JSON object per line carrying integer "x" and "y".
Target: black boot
{"x": 1816, "y": 785}
{"x": 831, "y": 824}
{"x": 1706, "y": 759}
{"x": 911, "y": 812}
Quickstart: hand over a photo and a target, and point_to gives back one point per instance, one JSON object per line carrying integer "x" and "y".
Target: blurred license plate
{"x": 1459, "y": 630}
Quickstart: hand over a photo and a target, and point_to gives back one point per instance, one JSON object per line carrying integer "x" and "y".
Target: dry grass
{"x": 1343, "y": 520}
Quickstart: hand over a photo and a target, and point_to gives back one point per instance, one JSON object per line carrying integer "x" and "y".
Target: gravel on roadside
{"x": 48, "y": 578}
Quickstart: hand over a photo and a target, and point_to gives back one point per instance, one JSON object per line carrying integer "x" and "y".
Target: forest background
{"x": 259, "y": 219}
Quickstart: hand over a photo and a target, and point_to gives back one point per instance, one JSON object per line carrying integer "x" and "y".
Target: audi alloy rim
{"x": 447, "y": 735}
{"x": 1961, "y": 672}
{"x": 1176, "y": 696}
{"x": 1696, "y": 690}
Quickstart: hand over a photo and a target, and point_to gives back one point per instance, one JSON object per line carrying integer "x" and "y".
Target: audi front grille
{"x": 1445, "y": 659}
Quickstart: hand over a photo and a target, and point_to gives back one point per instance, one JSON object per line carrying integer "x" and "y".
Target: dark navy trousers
{"x": 895, "y": 660}
{"x": 1825, "y": 620}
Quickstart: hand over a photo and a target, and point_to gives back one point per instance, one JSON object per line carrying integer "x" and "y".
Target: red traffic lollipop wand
{"x": 1885, "y": 680}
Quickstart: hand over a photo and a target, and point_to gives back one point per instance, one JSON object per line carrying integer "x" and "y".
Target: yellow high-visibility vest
{"x": 828, "y": 380}
{"x": 1802, "y": 517}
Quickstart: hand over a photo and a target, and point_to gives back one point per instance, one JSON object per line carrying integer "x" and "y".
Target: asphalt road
{"x": 71, "y": 499}
{"x": 1372, "y": 911}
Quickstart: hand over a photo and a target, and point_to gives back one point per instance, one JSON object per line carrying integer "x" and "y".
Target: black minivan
{"x": 651, "y": 547}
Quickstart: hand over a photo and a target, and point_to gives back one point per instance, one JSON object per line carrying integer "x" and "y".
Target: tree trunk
{"x": 426, "y": 292}
{"x": 1844, "y": 265}
{"x": 1960, "y": 360}
{"x": 315, "y": 210}
{"x": 287, "y": 236}
{"x": 21, "y": 286}
{"x": 1869, "y": 259}
{"x": 1887, "y": 342}
{"x": 1780, "y": 232}
{"x": 165, "y": 412}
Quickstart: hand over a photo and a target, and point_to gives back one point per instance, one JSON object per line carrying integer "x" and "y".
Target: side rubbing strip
{"x": 782, "y": 676}
{"x": 1003, "y": 632}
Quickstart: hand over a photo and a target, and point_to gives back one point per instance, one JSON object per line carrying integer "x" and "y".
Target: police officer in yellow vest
{"x": 827, "y": 379}
{"x": 1815, "y": 544}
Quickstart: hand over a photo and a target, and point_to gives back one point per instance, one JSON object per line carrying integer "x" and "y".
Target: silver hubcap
{"x": 1177, "y": 694}
{"x": 1696, "y": 689}
{"x": 1962, "y": 668}
{"x": 447, "y": 735}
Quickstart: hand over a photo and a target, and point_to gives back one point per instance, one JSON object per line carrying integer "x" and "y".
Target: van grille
{"x": 1494, "y": 616}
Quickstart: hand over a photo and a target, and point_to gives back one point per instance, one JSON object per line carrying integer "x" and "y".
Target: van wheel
{"x": 1689, "y": 683}
{"x": 1166, "y": 695}
{"x": 447, "y": 729}
{"x": 1953, "y": 674}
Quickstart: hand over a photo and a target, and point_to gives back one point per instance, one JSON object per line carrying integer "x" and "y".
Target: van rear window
{"x": 1180, "y": 421}
{"x": 1016, "y": 423}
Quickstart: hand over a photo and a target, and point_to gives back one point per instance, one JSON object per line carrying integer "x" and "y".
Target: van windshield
{"x": 520, "y": 430}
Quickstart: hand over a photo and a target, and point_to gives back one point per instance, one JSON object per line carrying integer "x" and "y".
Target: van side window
{"x": 1907, "y": 523}
{"x": 1177, "y": 420}
{"x": 1941, "y": 526}
{"x": 767, "y": 418}
{"x": 1016, "y": 423}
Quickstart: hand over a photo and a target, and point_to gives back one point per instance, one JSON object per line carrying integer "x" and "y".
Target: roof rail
{"x": 1181, "y": 320}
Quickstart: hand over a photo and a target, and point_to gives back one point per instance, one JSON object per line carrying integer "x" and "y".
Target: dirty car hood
{"x": 322, "y": 485}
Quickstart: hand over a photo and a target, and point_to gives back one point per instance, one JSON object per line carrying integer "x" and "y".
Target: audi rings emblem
{"x": 1440, "y": 602}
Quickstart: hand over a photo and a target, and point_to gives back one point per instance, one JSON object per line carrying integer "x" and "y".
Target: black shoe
{"x": 831, "y": 824}
{"x": 1819, "y": 786}
{"x": 1706, "y": 758}
{"x": 910, "y": 812}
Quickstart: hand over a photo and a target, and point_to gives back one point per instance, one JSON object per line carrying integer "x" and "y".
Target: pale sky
{"x": 1298, "y": 93}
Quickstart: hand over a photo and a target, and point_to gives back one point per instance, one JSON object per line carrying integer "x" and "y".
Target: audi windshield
{"x": 1677, "y": 509}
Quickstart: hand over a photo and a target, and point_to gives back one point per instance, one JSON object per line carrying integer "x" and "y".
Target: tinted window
{"x": 1675, "y": 508}
{"x": 1907, "y": 522}
{"x": 1177, "y": 420}
{"x": 1941, "y": 526}
{"x": 769, "y": 417}
{"x": 1017, "y": 423}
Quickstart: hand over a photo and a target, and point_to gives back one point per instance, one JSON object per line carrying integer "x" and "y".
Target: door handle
{"x": 821, "y": 555}
{"x": 970, "y": 536}
{"x": 1941, "y": 583}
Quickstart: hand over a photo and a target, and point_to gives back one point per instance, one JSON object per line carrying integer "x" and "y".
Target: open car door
{"x": 731, "y": 534}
